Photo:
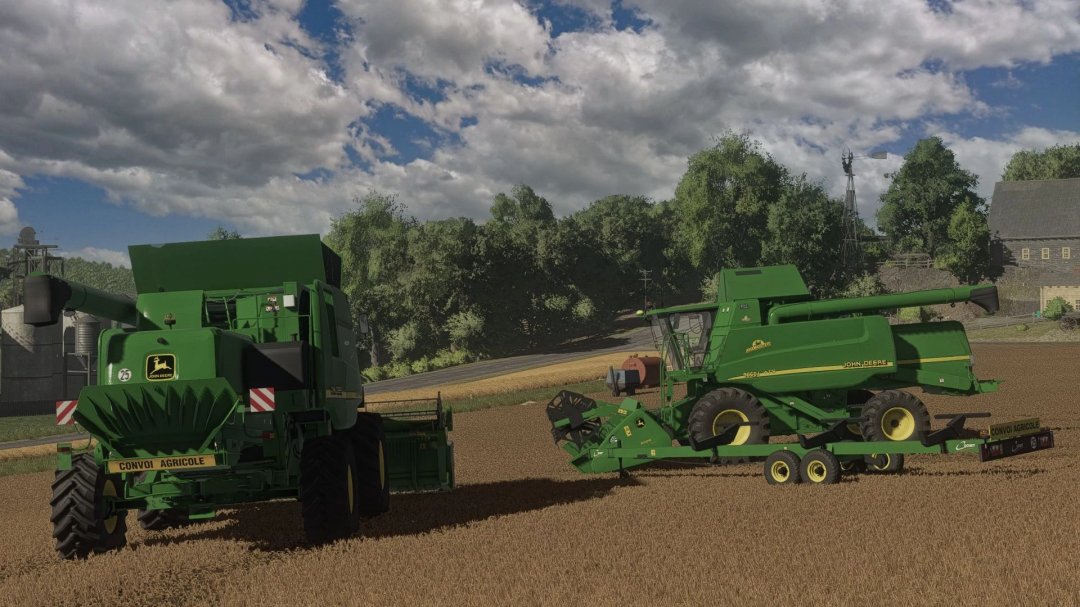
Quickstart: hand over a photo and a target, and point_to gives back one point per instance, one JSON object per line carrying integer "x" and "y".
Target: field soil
{"x": 524, "y": 528}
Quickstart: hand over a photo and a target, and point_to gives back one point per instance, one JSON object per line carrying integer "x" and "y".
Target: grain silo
{"x": 30, "y": 365}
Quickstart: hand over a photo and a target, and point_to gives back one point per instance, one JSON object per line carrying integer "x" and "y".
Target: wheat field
{"x": 524, "y": 528}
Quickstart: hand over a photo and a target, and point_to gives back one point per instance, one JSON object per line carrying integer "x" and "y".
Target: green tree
{"x": 1057, "y": 162}
{"x": 373, "y": 244}
{"x": 220, "y": 233}
{"x": 967, "y": 253}
{"x": 722, "y": 204}
{"x": 805, "y": 229}
{"x": 919, "y": 204}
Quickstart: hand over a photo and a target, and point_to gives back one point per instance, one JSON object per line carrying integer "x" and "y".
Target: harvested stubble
{"x": 526, "y": 529}
{"x": 577, "y": 371}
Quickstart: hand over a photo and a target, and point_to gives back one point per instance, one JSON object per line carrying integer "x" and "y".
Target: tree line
{"x": 448, "y": 291}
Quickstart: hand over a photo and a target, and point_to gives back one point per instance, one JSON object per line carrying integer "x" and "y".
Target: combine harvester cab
{"x": 766, "y": 359}
{"x": 235, "y": 379}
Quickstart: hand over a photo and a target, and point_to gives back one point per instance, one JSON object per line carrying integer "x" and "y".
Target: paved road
{"x": 639, "y": 339}
{"x": 45, "y": 440}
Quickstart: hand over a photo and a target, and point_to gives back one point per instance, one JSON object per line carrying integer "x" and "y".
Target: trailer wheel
{"x": 328, "y": 489}
{"x": 894, "y": 463}
{"x": 782, "y": 468}
{"x": 894, "y": 415}
{"x": 369, "y": 444}
{"x": 83, "y": 519}
{"x": 725, "y": 406}
{"x": 820, "y": 467}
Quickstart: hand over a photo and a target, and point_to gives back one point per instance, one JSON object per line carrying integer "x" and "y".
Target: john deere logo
{"x": 758, "y": 345}
{"x": 160, "y": 367}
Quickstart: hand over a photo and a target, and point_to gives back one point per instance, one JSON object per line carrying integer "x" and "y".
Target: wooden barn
{"x": 1036, "y": 224}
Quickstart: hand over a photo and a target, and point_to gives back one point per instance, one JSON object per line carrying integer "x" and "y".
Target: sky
{"x": 143, "y": 121}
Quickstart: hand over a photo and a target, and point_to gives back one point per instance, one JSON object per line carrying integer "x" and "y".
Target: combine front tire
{"x": 83, "y": 518}
{"x": 328, "y": 489}
{"x": 720, "y": 407}
{"x": 782, "y": 468}
{"x": 369, "y": 444}
{"x": 894, "y": 415}
{"x": 820, "y": 467}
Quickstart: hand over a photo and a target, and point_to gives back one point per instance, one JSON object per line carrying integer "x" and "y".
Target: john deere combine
{"x": 235, "y": 380}
{"x": 766, "y": 359}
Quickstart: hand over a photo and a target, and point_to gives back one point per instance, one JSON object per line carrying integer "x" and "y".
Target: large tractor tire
{"x": 894, "y": 415}
{"x": 369, "y": 445}
{"x": 83, "y": 520}
{"x": 329, "y": 489}
{"x": 724, "y": 406}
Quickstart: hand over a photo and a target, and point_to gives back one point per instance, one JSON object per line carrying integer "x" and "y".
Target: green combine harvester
{"x": 235, "y": 379}
{"x": 768, "y": 360}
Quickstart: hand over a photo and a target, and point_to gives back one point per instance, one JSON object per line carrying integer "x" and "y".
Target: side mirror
{"x": 362, "y": 324}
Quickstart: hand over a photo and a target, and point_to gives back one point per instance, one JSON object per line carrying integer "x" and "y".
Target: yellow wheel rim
{"x": 845, "y": 466}
{"x": 109, "y": 491}
{"x": 382, "y": 468}
{"x": 816, "y": 471}
{"x": 888, "y": 460}
{"x": 731, "y": 416}
{"x": 780, "y": 471}
{"x": 898, "y": 424}
{"x": 854, "y": 429}
{"x": 352, "y": 498}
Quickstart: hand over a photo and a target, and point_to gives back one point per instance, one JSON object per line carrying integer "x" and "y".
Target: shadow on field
{"x": 277, "y": 525}
{"x": 1020, "y": 472}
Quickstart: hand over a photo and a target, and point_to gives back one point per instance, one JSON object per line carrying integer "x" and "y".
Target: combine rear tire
{"x": 820, "y": 467}
{"x": 369, "y": 444}
{"x": 329, "y": 489}
{"x": 782, "y": 468}
{"x": 159, "y": 520}
{"x": 79, "y": 509}
{"x": 894, "y": 415}
{"x": 724, "y": 406}
{"x": 894, "y": 464}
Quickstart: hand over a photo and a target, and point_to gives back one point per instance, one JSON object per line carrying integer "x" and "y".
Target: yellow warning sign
{"x": 162, "y": 463}
{"x": 1016, "y": 428}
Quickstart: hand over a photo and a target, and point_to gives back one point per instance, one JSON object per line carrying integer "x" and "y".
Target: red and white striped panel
{"x": 64, "y": 410}
{"x": 261, "y": 400}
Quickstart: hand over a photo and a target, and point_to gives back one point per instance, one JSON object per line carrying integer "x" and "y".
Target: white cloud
{"x": 175, "y": 107}
{"x": 116, "y": 258}
{"x": 9, "y": 216}
{"x": 987, "y": 158}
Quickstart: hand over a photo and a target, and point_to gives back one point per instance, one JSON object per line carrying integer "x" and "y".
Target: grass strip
{"x": 28, "y": 465}
{"x": 30, "y": 426}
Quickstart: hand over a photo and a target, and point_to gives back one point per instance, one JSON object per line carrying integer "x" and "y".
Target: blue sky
{"x": 444, "y": 107}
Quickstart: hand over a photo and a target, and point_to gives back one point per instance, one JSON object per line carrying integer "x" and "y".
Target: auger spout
{"x": 46, "y": 297}
{"x": 984, "y": 296}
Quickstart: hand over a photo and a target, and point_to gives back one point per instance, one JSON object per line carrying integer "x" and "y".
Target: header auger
{"x": 766, "y": 359}
{"x": 236, "y": 380}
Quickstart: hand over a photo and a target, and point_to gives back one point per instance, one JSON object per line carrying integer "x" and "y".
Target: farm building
{"x": 1036, "y": 224}
{"x": 1065, "y": 286}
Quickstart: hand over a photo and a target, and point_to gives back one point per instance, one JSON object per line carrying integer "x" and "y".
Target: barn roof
{"x": 1036, "y": 209}
{"x": 1059, "y": 279}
